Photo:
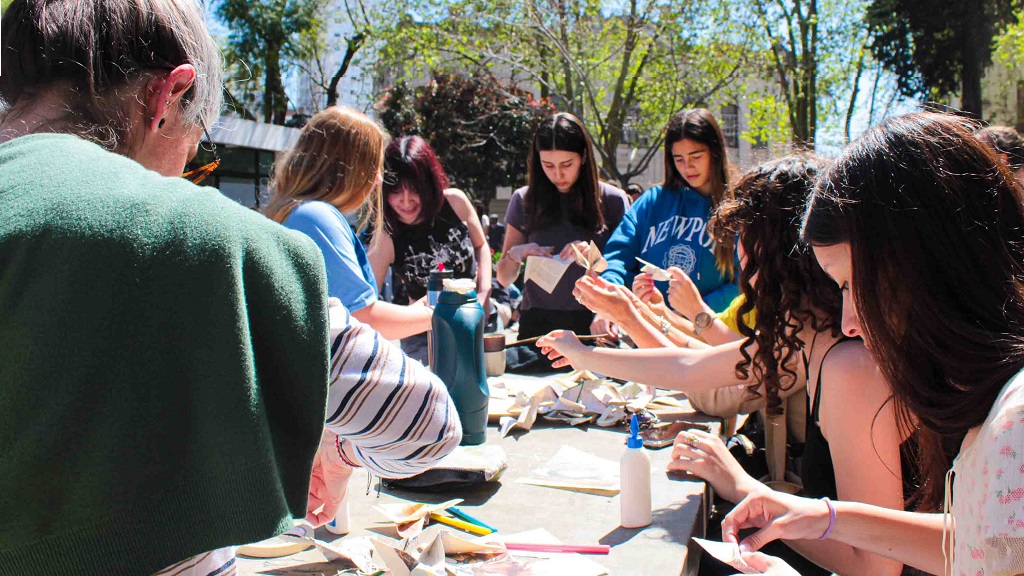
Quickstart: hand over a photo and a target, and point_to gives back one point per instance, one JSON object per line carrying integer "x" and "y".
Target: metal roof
{"x": 234, "y": 131}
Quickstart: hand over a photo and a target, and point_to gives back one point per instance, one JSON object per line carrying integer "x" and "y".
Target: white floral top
{"x": 988, "y": 491}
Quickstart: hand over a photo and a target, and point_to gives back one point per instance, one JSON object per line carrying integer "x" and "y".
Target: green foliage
{"x": 935, "y": 47}
{"x": 813, "y": 51}
{"x": 480, "y": 128}
{"x": 1009, "y": 46}
{"x": 767, "y": 120}
{"x": 266, "y": 37}
{"x": 623, "y": 67}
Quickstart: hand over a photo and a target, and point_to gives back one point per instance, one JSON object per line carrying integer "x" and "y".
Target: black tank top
{"x": 419, "y": 248}
{"x": 817, "y": 471}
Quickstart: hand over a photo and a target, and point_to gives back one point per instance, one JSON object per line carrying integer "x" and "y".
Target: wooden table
{"x": 662, "y": 548}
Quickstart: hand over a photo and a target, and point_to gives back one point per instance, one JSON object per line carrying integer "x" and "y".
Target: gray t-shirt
{"x": 614, "y": 203}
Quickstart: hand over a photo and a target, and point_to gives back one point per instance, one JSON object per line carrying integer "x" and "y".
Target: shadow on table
{"x": 676, "y": 520}
{"x": 472, "y": 495}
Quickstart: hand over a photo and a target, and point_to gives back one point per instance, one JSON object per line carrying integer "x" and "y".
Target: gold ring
{"x": 693, "y": 441}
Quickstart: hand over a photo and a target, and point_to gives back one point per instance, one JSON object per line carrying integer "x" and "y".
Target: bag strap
{"x": 775, "y": 443}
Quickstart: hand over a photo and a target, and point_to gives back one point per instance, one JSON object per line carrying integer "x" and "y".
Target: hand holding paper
{"x": 728, "y": 553}
{"x": 769, "y": 565}
{"x": 590, "y": 257}
{"x": 545, "y": 272}
{"x": 657, "y": 273}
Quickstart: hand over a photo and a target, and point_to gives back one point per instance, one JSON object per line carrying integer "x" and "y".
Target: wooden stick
{"x": 535, "y": 338}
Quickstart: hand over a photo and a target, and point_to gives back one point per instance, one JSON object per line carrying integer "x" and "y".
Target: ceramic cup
{"x": 494, "y": 353}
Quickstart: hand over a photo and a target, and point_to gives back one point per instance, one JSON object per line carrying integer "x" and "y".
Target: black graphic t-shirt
{"x": 419, "y": 248}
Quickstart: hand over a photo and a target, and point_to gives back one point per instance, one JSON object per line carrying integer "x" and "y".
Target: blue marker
{"x": 460, "y": 514}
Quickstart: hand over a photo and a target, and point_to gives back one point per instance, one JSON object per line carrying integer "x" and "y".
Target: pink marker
{"x": 566, "y": 548}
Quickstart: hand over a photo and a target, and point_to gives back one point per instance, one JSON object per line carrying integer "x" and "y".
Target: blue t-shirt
{"x": 349, "y": 275}
{"x": 669, "y": 228}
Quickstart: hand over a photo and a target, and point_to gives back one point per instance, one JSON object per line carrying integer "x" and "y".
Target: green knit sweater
{"x": 163, "y": 365}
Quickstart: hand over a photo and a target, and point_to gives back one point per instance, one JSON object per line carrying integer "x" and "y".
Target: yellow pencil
{"x": 461, "y": 525}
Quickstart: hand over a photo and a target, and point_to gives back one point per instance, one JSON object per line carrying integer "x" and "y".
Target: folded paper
{"x": 545, "y": 272}
{"x": 409, "y": 517}
{"x": 657, "y": 273}
{"x": 590, "y": 259}
{"x": 577, "y": 398}
{"x": 727, "y": 553}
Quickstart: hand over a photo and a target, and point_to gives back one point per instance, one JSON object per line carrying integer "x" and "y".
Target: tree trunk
{"x": 613, "y": 131}
{"x": 853, "y": 94}
{"x": 570, "y": 84}
{"x": 275, "y": 102}
{"x": 972, "y": 59}
{"x": 352, "y": 45}
{"x": 811, "y": 64}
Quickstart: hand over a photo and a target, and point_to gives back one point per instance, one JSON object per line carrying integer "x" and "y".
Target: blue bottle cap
{"x": 634, "y": 440}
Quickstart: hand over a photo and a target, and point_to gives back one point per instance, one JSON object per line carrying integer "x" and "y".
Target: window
{"x": 242, "y": 174}
{"x": 731, "y": 125}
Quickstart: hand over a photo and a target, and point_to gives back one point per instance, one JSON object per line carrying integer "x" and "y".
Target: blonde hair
{"x": 336, "y": 160}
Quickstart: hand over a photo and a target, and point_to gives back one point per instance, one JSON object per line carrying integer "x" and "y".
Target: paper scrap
{"x": 657, "y": 273}
{"x": 576, "y": 398}
{"x": 357, "y": 550}
{"x": 573, "y": 469}
{"x": 545, "y": 272}
{"x": 399, "y": 563}
{"x": 485, "y": 545}
{"x": 409, "y": 517}
{"x": 424, "y": 555}
{"x": 527, "y": 417}
{"x": 727, "y": 553}
{"x": 591, "y": 260}
{"x": 671, "y": 401}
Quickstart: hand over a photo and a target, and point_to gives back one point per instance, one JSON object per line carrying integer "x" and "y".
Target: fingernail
{"x": 744, "y": 547}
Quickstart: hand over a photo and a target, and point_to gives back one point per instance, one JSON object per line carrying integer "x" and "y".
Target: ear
{"x": 163, "y": 93}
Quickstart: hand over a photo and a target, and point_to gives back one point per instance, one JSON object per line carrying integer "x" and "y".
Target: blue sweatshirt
{"x": 669, "y": 228}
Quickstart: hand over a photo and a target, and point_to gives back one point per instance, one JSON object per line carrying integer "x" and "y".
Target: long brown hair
{"x": 542, "y": 201}
{"x": 336, "y": 160}
{"x": 699, "y": 125}
{"x": 790, "y": 290}
{"x": 934, "y": 222}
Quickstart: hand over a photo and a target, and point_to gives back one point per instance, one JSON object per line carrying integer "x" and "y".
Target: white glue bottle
{"x": 340, "y": 523}
{"x": 635, "y": 477}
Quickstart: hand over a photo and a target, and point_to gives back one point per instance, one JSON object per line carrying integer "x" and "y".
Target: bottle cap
{"x": 634, "y": 440}
{"x": 460, "y": 285}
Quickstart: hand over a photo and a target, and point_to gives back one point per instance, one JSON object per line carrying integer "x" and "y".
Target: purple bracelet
{"x": 831, "y": 518}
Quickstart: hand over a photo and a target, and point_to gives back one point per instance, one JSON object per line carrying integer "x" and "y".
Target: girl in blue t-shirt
{"x": 667, "y": 225}
{"x": 335, "y": 168}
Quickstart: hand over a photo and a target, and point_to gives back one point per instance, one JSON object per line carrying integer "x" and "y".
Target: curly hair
{"x": 780, "y": 279}
{"x": 1004, "y": 140}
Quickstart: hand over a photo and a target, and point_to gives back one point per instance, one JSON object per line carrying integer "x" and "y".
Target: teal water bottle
{"x": 458, "y": 356}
